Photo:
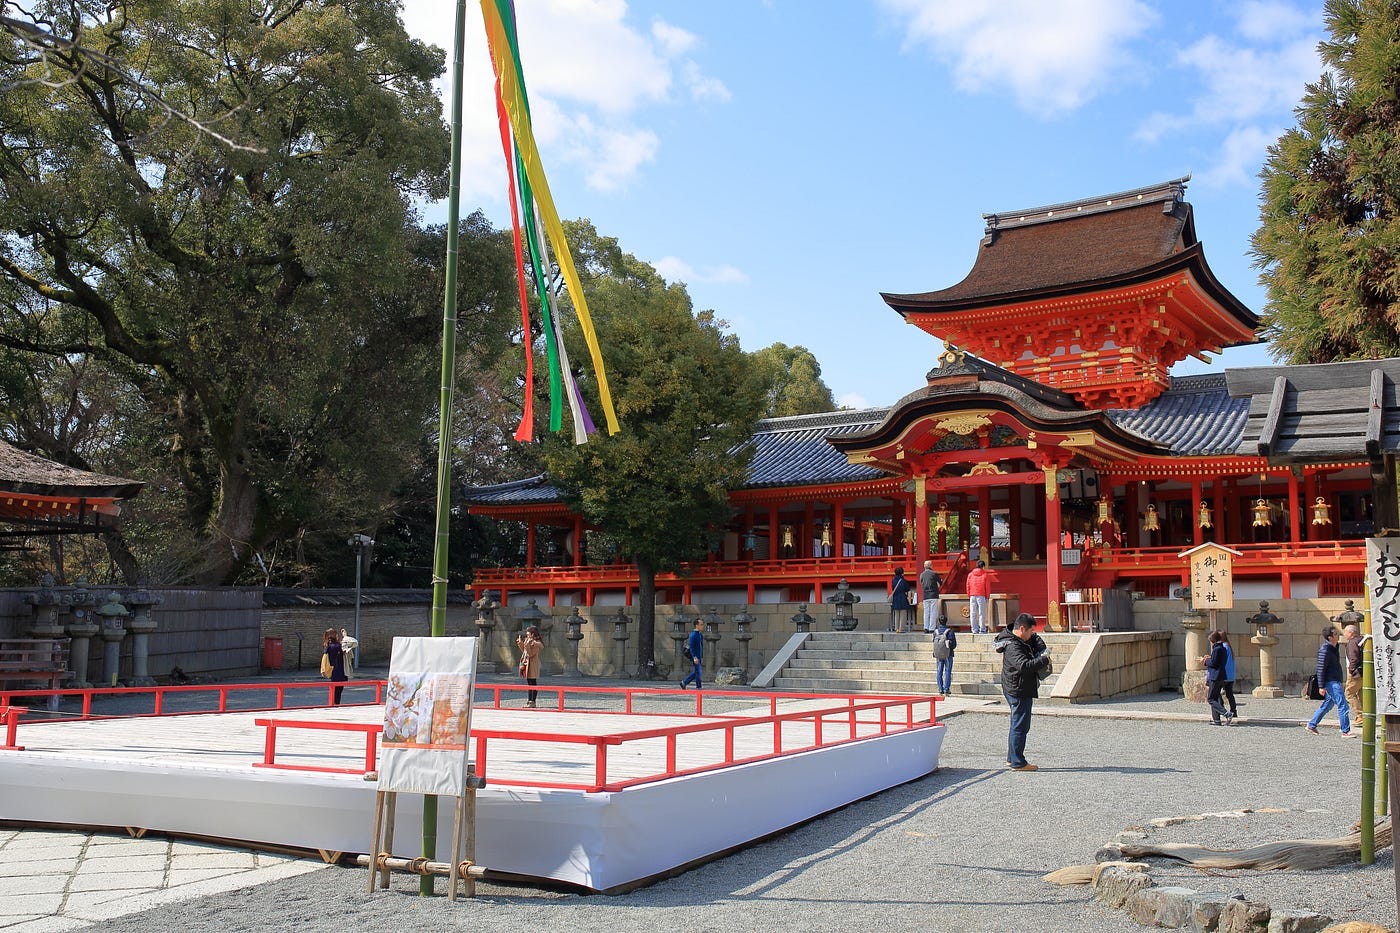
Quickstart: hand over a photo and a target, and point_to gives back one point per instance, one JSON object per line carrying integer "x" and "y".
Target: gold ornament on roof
{"x": 986, "y": 468}
{"x": 963, "y": 424}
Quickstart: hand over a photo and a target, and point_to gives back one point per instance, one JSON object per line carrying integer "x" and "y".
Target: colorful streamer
{"x": 501, "y": 40}
{"x": 526, "y": 430}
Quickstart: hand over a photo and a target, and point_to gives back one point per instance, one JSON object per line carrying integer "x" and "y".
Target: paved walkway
{"x": 64, "y": 880}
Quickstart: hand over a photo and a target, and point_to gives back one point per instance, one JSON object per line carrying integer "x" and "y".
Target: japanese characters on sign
{"x": 427, "y": 715}
{"x": 1383, "y": 585}
{"x": 1212, "y": 576}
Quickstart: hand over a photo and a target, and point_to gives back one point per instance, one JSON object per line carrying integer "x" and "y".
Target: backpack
{"x": 940, "y": 644}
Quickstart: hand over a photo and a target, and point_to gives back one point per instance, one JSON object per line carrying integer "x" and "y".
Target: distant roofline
{"x": 1173, "y": 191}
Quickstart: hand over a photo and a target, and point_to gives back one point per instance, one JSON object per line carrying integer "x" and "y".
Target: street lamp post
{"x": 361, "y": 543}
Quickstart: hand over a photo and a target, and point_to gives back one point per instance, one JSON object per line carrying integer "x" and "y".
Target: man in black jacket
{"x": 1023, "y": 657}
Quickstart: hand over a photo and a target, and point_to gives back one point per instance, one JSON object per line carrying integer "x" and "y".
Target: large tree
{"x": 687, "y": 398}
{"x": 1328, "y": 243}
{"x": 795, "y": 385}
{"x": 224, "y": 221}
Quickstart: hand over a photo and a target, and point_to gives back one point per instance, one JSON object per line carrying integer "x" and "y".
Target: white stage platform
{"x": 194, "y": 775}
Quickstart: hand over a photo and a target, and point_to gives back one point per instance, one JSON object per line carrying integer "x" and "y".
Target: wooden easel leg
{"x": 392, "y": 803}
{"x": 469, "y": 843}
{"x": 454, "y": 873}
{"x": 375, "y": 838}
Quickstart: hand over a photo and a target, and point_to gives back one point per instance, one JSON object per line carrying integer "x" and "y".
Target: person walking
{"x": 901, "y": 610}
{"x": 1218, "y": 673}
{"x": 695, "y": 649}
{"x": 929, "y": 582}
{"x": 945, "y": 643}
{"x": 1024, "y": 660}
{"x": 334, "y": 659}
{"x": 1353, "y": 689}
{"x": 979, "y": 590}
{"x": 530, "y": 645}
{"x": 1329, "y": 678}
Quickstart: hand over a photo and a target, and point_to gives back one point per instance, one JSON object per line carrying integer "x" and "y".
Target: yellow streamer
{"x": 534, "y": 169}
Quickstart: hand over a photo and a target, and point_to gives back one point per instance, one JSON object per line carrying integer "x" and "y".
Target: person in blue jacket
{"x": 695, "y": 648}
{"x": 1329, "y": 677}
{"x": 901, "y": 610}
{"x": 1220, "y": 676}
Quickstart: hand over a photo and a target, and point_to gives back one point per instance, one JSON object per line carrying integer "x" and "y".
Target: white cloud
{"x": 674, "y": 269}
{"x": 1265, "y": 20}
{"x": 1051, "y": 56}
{"x": 592, "y": 77}
{"x": 1242, "y": 155}
{"x": 852, "y": 400}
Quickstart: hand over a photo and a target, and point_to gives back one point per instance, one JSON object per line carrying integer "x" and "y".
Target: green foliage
{"x": 687, "y": 398}
{"x": 250, "y": 277}
{"x": 1328, "y": 243}
{"x": 794, "y": 378}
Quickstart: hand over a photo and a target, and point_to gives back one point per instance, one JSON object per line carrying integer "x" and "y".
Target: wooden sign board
{"x": 1212, "y": 576}
{"x": 1383, "y": 586}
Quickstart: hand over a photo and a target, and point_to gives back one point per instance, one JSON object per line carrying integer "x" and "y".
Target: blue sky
{"x": 790, "y": 159}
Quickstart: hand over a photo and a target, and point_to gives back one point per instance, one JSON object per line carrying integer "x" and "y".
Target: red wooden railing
{"x": 832, "y": 725}
{"x": 221, "y": 691}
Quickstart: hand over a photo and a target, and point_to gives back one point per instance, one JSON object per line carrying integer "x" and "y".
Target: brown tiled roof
{"x": 25, "y": 473}
{"x": 1077, "y": 246}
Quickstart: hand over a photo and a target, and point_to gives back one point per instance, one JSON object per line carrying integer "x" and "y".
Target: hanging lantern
{"x": 1150, "y": 521}
{"x": 1322, "y": 512}
{"x": 908, "y": 533}
{"x": 787, "y": 536}
{"x": 870, "y": 534}
{"x": 826, "y": 534}
{"x": 940, "y": 517}
{"x": 1263, "y": 514}
{"x": 1203, "y": 517}
{"x": 750, "y": 540}
{"x": 1105, "y": 510}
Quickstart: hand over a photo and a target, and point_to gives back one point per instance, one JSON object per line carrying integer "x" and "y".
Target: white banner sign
{"x": 1383, "y": 584}
{"x": 427, "y": 716}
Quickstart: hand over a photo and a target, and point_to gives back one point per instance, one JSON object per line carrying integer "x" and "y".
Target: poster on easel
{"x": 1383, "y": 587}
{"x": 427, "y": 716}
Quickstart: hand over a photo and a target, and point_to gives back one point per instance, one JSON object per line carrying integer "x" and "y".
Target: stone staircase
{"x": 886, "y": 662}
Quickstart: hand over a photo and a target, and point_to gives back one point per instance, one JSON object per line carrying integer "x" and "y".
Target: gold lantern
{"x": 826, "y": 534}
{"x": 1150, "y": 521}
{"x": 870, "y": 533}
{"x": 1203, "y": 518}
{"x": 908, "y": 533}
{"x": 940, "y": 517}
{"x": 787, "y": 536}
{"x": 1105, "y": 510}
{"x": 1322, "y": 512}
{"x": 1263, "y": 514}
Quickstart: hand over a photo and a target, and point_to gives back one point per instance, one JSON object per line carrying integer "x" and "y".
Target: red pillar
{"x": 984, "y": 524}
{"x": 1294, "y": 529}
{"x": 530, "y": 546}
{"x": 1052, "y": 547}
{"x": 921, "y": 520}
{"x": 1199, "y": 535}
{"x": 775, "y": 539}
{"x": 838, "y": 530}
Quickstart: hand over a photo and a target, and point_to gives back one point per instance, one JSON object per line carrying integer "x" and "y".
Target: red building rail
{"x": 222, "y": 691}
{"x": 832, "y": 725}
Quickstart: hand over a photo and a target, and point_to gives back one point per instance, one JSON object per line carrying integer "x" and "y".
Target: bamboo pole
{"x": 447, "y": 381}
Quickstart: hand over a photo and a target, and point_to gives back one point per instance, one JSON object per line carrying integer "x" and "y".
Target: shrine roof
{"x": 27, "y": 474}
{"x": 1320, "y": 413}
{"x": 1195, "y": 417}
{"x": 532, "y": 490}
{"x": 1093, "y": 244}
{"x": 794, "y": 451}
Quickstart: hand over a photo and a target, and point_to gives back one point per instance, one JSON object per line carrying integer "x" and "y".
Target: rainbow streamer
{"x": 505, "y": 58}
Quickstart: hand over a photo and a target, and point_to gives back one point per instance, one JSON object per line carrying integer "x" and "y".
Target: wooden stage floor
{"x": 195, "y": 774}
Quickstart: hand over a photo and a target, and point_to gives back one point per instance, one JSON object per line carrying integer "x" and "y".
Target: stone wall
{"x": 1295, "y": 656}
{"x": 1115, "y": 664}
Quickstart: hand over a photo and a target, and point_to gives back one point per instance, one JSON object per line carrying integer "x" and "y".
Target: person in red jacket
{"x": 979, "y": 588}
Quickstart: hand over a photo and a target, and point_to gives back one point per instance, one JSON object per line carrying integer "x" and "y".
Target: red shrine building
{"x": 1049, "y": 440}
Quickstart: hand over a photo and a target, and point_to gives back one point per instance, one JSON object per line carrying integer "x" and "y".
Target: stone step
{"x": 893, "y": 684}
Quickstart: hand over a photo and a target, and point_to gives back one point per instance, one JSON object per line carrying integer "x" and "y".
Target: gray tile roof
{"x": 794, "y": 450}
{"x": 534, "y": 490}
{"x": 1195, "y": 417}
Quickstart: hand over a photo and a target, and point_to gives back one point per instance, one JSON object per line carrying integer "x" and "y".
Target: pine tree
{"x": 1328, "y": 242}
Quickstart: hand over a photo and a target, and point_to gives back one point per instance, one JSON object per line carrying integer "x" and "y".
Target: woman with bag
{"x": 901, "y": 609}
{"x": 530, "y": 645}
{"x": 333, "y": 661}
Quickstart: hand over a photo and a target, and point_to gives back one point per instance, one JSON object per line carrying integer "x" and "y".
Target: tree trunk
{"x": 646, "y": 617}
{"x": 230, "y": 545}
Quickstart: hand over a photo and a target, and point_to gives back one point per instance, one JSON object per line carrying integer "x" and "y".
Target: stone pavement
{"x": 53, "y": 879}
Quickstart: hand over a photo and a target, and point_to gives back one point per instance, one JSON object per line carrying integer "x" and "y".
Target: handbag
{"x": 524, "y": 664}
{"x": 325, "y": 665}
{"x": 1313, "y": 691}
{"x": 1046, "y": 671}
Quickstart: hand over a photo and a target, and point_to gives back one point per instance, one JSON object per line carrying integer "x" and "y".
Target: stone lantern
{"x": 620, "y": 621}
{"x": 743, "y": 633}
{"x": 45, "y": 602}
{"x": 575, "y": 622}
{"x": 485, "y": 624}
{"x": 1263, "y": 621}
{"x": 141, "y": 626}
{"x": 844, "y": 601}
{"x": 712, "y": 624}
{"x": 802, "y": 619}
{"x": 112, "y": 613}
{"x": 681, "y": 624}
{"x": 1193, "y": 680}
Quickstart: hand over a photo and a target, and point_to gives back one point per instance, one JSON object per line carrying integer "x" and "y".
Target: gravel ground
{"x": 962, "y": 849}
